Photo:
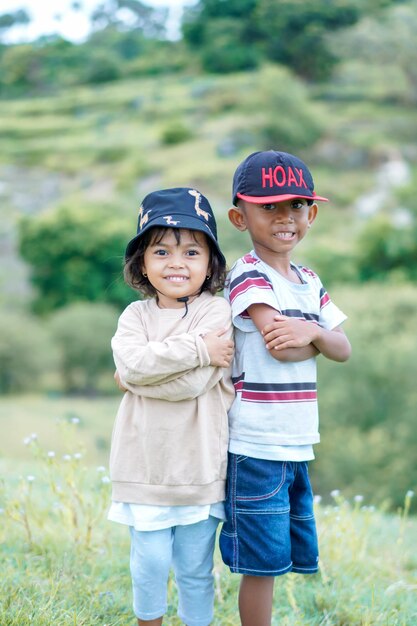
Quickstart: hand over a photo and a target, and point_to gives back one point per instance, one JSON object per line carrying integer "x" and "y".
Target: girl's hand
{"x": 118, "y": 381}
{"x": 220, "y": 349}
{"x": 288, "y": 332}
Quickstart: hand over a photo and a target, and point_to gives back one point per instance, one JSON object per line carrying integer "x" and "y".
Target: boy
{"x": 283, "y": 319}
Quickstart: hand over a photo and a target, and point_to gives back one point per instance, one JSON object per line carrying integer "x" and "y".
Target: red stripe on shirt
{"x": 248, "y": 283}
{"x": 277, "y": 396}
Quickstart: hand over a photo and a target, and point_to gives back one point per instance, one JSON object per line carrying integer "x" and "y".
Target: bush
{"x": 282, "y": 103}
{"x": 83, "y": 332}
{"x": 26, "y": 352}
{"x": 102, "y": 67}
{"x": 175, "y": 132}
{"x": 76, "y": 254}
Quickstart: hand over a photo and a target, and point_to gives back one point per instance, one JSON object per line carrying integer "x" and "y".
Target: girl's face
{"x": 177, "y": 269}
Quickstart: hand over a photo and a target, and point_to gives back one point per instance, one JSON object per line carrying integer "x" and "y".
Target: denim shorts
{"x": 270, "y": 528}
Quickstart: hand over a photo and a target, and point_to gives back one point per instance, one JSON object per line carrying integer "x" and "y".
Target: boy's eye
{"x": 268, "y": 207}
{"x": 297, "y": 204}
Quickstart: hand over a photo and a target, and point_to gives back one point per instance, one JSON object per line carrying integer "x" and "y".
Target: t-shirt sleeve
{"x": 330, "y": 315}
{"x": 248, "y": 285}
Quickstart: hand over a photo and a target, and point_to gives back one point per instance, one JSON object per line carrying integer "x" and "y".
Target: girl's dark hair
{"x": 133, "y": 268}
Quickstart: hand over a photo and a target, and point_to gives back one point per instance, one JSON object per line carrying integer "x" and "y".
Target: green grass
{"x": 64, "y": 563}
{"x": 20, "y": 416}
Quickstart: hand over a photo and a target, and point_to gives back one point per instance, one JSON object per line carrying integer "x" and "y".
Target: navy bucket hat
{"x": 179, "y": 207}
{"x": 273, "y": 176}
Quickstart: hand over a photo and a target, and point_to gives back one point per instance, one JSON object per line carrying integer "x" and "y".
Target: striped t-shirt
{"x": 276, "y": 402}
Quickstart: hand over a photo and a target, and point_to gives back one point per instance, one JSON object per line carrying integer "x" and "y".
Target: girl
{"x": 169, "y": 444}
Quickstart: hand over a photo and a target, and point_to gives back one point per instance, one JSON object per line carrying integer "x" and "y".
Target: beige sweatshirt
{"x": 169, "y": 442}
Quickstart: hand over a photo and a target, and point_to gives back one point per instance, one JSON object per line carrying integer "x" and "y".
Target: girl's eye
{"x": 192, "y": 252}
{"x": 160, "y": 252}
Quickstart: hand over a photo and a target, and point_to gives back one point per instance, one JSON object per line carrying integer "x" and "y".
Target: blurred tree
{"x": 131, "y": 15}
{"x": 239, "y": 34}
{"x": 386, "y": 39}
{"x": 223, "y": 33}
{"x": 293, "y": 33}
{"x": 75, "y": 255}
{"x": 10, "y": 20}
{"x": 82, "y": 333}
{"x": 388, "y": 242}
{"x": 26, "y": 352}
{"x": 52, "y": 61}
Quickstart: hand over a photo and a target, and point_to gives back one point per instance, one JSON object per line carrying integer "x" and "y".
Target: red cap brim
{"x": 288, "y": 196}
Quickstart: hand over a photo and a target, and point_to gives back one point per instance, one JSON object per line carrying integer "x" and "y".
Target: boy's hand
{"x": 288, "y": 332}
{"x": 220, "y": 349}
{"x": 118, "y": 381}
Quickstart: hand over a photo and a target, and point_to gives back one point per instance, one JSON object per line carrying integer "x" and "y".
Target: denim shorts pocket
{"x": 259, "y": 484}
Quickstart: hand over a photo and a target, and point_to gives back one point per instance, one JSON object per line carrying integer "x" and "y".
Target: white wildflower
{"x": 78, "y": 455}
{"x": 105, "y": 479}
{"x": 30, "y": 478}
{"x": 317, "y": 499}
{"x": 335, "y": 493}
{"x": 409, "y": 494}
{"x": 75, "y": 420}
{"x": 358, "y": 498}
{"x": 51, "y": 454}
{"x": 67, "y": 457}
{"x": 27, "y": 441}
{"x": 101, "y": 469}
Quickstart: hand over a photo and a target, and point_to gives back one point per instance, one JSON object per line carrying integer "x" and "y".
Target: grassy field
{"x": 20, "y": 416}
{"x": 64, "y": 563}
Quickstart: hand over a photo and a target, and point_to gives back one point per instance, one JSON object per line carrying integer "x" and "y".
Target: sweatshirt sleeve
{"x": 143, "y": 362}
{"x": 186, "y": 387}
{"x": 197, "y": 381}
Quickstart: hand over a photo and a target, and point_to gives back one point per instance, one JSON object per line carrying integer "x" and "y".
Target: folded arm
{"x": 186, "y": 387}
{"x": 286, "y": 333}
{"x": 263, "y": 317}
{"x": 143, "y": 362}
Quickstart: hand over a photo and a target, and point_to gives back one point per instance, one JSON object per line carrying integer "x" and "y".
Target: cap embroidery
{"x": 197, "y": 195}
{"x": 280, "y": 177}
{"x": 170, "y": 221}
{"x": 143, "y": 219}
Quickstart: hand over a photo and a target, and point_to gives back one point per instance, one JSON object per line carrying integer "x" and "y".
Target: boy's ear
{"x": 237, "y": 218}
{"x": 312, "y": 213}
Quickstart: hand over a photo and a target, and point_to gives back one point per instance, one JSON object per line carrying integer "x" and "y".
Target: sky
{"x": 73, "y": 25}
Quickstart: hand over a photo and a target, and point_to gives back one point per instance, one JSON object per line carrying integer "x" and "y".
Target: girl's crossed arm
{"x": 196, "y": 381}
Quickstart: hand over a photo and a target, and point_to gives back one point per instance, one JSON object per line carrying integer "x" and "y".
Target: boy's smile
{"x": 177, "y": 269}
{"x": 275, "y": 228}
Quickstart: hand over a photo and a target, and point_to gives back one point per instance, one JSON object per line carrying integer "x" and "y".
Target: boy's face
{"x": 275, "y": 228}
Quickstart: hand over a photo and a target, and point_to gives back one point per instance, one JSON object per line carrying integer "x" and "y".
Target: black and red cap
{"x": 178, "y": 207}
{"x": 273, "y": 176}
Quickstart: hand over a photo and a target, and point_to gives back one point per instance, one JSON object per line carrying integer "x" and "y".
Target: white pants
{"x": 189, "y": 550}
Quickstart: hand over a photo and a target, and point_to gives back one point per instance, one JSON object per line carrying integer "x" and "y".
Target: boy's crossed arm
{"x": 290, "y": 339}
